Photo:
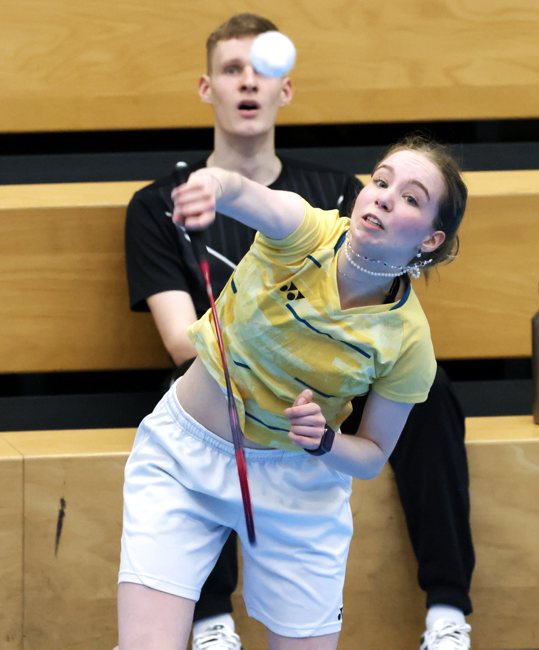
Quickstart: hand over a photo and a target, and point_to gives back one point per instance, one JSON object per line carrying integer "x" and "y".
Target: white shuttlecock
{"x": 273, "y": 54}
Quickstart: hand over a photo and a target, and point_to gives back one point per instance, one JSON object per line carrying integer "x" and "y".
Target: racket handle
{"x": 181, "y": 172}
{"x": 197, "y": 237}
{"x": 198, "y": 242}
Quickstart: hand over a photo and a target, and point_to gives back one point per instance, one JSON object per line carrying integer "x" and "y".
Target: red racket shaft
{"x": 181, "y": 175}
{"x": 237, "y": 435}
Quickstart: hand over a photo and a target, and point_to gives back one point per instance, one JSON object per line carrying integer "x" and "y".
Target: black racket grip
{"x": 197, "y": 237}
{"x": 181, "y": 173}
{"x": 198, "y": 242}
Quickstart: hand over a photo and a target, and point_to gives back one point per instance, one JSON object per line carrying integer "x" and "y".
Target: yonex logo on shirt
{"x": 293, "y": 293}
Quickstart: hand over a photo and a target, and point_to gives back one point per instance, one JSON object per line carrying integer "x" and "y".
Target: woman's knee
{"x": 324, "y": 642}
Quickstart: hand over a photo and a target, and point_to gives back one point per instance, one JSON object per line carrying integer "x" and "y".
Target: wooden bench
{"x": 136, "y": 66}
{"x": 63, "y": 289}
{"x": 63, "y": 595}
{"x": 11, "y": 546}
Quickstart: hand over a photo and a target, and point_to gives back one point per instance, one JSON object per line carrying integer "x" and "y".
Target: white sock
{"x": 437, "y": 612}
{"x": 220, "y": 619}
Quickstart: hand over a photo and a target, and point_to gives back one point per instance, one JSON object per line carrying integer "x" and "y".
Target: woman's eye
{"x": 411, "y": 200}
{"x": 380, "y": 182}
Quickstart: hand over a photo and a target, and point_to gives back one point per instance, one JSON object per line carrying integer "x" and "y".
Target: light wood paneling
{"x": 482, "y": 304}
{"x": 70, "y": 596}
{"x": 134, "y": 64}
{"x": 63, "y": 282}
{"x": 63, "y": 291}
{"x": 505, "y": 524}
{"x": 11, "y": 543}
{"x": 70, "y": 585}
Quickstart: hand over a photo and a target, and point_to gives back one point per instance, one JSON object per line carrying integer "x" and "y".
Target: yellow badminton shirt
{"x": 284, "y": 330}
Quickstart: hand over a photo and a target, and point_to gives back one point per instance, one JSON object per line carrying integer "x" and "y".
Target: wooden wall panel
{"x": 64, "y": 287}
{"x": 69, "y": 595}
{"x": 70, "y": 582}
{"x": 481, "y": 304}
{"x": 63, "y": 290}
{"x": 505, "y": 508}
{"x": 11, "y": 546}
{"x": 135, "y": 64}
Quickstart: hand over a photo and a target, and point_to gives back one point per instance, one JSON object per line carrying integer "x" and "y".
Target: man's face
{"x": 244, "y": 102}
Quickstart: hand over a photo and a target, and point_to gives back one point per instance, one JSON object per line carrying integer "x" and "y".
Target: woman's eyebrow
{"x": 412, "y": 181}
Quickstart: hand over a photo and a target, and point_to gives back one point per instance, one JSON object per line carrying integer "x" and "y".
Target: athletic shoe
{"x": 446, "y": 635}
{"x": 216, "y": 637}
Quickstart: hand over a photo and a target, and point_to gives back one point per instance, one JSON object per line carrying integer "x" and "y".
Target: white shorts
{"x": 182, "y": 498}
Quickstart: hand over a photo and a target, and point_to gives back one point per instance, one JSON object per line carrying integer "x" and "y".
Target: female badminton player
{"x": 320, "y": 310}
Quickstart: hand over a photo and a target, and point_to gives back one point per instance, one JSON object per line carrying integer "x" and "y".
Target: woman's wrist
{"x": 326, "y": 443}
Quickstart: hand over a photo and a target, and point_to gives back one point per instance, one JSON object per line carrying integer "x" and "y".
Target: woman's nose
{"x": 383, "y": 202}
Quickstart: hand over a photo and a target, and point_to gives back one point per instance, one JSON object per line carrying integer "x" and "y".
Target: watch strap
{"x": 326, "y": 443}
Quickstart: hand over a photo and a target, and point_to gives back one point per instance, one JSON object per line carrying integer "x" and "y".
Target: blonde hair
{"x": 238, "y": 26}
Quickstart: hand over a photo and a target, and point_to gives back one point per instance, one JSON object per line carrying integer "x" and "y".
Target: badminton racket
{"x": 181, "y": 174}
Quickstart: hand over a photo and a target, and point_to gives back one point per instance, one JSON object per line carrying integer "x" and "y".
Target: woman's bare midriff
{"x": 202, "y": 397}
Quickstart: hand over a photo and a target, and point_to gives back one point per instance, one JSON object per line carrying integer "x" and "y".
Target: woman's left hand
{"x": 307, "y": 423}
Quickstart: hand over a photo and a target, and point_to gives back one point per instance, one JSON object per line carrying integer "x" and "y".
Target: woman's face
{"x": 394, "y": 213}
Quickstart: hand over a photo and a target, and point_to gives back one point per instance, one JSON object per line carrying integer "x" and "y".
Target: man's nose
{"x": 249, "y": 78}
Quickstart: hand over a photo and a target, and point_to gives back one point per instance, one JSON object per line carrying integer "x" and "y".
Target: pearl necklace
{"x": 413, "y": 269}
{"x": 380, "y": 274}
{"x": 390, "y": 295}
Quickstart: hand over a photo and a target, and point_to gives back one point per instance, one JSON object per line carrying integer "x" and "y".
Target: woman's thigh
{"x": 139, "y": 610}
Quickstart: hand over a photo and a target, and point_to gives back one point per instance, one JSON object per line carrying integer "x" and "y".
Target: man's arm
{"x": 160, "y": 276}
{"x": 173, "y": 312}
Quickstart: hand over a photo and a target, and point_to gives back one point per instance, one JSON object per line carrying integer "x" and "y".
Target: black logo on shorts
{"x": 339, "y": 617}
{"x": 292, "y": 292}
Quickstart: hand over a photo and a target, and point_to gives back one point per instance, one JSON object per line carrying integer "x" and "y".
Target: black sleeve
{"x": 322, "y": 187}
{"x": 350, "y": 191}
{"x": 157, "y": 257}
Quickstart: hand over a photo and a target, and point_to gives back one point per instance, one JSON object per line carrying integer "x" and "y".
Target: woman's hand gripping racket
{"x": 181, "y": 174}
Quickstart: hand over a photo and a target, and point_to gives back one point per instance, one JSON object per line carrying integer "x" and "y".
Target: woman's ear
{"x": 433, "y": 242}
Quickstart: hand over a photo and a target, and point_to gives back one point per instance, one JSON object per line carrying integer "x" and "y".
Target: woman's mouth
{"x": 373, "y": 220}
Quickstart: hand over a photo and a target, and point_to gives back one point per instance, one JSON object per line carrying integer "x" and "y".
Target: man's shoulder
{"x": 322, "y": 186}
{"x": 315, "y": 170}
{"x": 155, "y": 186}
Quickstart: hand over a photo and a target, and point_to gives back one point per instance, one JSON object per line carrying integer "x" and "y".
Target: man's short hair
{"x": 237, "y": 26}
